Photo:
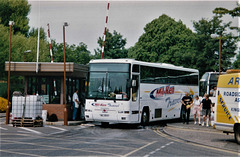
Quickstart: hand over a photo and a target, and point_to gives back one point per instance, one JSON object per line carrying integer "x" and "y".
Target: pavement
{"x": 206, "y": 136}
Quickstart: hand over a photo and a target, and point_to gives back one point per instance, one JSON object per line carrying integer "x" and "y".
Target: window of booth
{"x": 48, "y": 87}
{"x": 72, "y": 84}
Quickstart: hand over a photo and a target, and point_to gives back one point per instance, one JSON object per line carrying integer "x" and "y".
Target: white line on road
{"x": 23, "y": 132}
{"x": 87, "y": 124}
{"x": 81, "y": 127}
{"x": 153, "y": 152}
{"x": 59, "y": 132}
{"x": 3, "y": 128}
{"x": 62, "y": 130}
{"x": 139, "y": 148}
{"x": 57, "y": 128}
{"x": 30, "y": 130}
{"x": 18, "y": 153}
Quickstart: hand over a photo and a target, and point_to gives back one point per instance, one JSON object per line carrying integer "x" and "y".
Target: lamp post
{"x": 28, "y": 51}
{"x": 219, "y": 37}
{"x": 11, "y": 23}
{"x": 64, "y": 78}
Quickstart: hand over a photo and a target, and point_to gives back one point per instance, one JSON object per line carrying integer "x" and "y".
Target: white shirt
{"x": 197, "y": 102}
{"x": 75, "y": 96}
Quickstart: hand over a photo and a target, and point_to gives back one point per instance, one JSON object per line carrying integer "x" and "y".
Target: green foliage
{"x": 77, "y": 54}
{"x": 236, "y": 64}
{"x": 17, "y": 11}
{"x": 3, "y": 89}
{"x": 207, "y": 48}
{"x": 223, "y": 11}
{"x": 19, "y": 44}
{"x": 34, "y": 33}
{"x": 22, "y": 40}
{"x": 234, "y": 13}
{"x": 114, "y": 46}
{"x": 4, "y": 49}
{"x": 165, "y": 40}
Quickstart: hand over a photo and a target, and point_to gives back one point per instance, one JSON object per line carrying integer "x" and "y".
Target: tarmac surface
{"x": 206, "y": 136}
{"x": 190, "y": 133}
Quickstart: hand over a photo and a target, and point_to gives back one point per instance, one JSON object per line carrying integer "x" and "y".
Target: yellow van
{"x": 227, "y": 115}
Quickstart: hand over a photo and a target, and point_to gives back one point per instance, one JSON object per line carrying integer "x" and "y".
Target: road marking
{"x": 92, "y": 125}
{"x": 30, "y": 130}
{"x": 139, "y": 148}
{"x": 71, "y": 140}
{"x": 60, "y": 148}
{"x": 158, "y": 149}
{"x": 3, "y": 128}
{"x": 23, "y": 132}
{"x": 166, "y": 136}
{"x": 12, "y": 152}
{"x": 62, "y": 129}
{"x": 59, "y": 132}
{"x": 156, "y": 130}
{"x": 54, "y": 133}
{"x": 204, "y": 131}
{"x": 81, "y": 127}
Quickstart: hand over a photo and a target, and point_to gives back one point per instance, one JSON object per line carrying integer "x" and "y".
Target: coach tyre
{"x": 237, "y": 133}
{"x": 104, "y": 124}
{"x": 145, "y": 117}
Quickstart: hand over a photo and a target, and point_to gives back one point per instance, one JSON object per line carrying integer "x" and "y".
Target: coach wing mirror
{"x": 134, "y": 83}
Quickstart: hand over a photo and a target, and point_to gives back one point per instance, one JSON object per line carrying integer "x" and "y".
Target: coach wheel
{"x": 104, "y": 124}
{"x": 145, "y": 118}
{"x": 237, "y": 133}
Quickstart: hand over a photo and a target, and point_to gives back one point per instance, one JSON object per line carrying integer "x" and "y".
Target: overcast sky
{"x": 87, "y": 18}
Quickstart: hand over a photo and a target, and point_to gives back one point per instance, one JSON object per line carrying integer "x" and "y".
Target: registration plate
{"x": 104, "y": 115}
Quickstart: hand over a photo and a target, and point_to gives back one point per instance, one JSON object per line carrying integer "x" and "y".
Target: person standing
{"x": 206, "y": 106}
{"x": 213, "y": 91}
{"x": 196, "y": 110}
{"x": 76, "y": 103}
{"x": 82, "y": 106}
{"x": 186, "y": 100}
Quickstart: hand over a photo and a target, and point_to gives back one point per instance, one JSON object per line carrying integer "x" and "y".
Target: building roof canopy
{"x": 47, "y": 69}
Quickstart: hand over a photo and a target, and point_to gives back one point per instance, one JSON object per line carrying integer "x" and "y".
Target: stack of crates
{"x": 17, "y": 106}
{"x": 33, "y": 107}
{"x": 27, "y": 109}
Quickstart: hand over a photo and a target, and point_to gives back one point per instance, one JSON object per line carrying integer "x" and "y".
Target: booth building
{"x": 48, "y": 82}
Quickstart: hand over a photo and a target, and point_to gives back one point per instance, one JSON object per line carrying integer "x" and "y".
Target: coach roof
{"x": 133, "y": 61}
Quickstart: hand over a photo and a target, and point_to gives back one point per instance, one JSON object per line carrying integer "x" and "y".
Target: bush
{"x": 3, "y": 104}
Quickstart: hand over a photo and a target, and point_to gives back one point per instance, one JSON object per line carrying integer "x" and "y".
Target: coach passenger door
{"x": 135, "y": 97}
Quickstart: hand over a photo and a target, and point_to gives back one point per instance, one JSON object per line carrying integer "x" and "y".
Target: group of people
{"x": 204, "y": 105}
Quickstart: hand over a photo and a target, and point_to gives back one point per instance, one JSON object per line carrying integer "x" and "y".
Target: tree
{"x": 223, "y": 11}
{"x": 234, "y": 13}
{"x": 4, "y": 49}
{"x": 20, "y": 43}
{"x": 207, "y": 48}
{"x": 114, "y": 46}
{"x": 17, "y": 11}
{"x": 34, "y": 33}
{"x": 165, "y": 40}
{"x": 77, "y": 54}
